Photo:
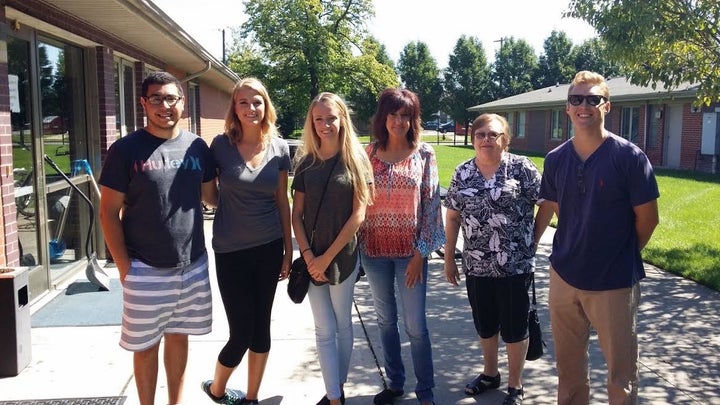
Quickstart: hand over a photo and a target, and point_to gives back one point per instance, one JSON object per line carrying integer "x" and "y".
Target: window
{"x": 124, "y": 98}
{"x": 557, "y": 130}
{"x": 520, "y": 124}
{"x": 629, "y": 123}
{"x": 192, "y": 105}
{"x": 511, "y": 122}
{"x": 655, "y": 118}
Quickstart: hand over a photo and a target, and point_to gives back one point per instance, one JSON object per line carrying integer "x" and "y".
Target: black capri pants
{"x": 500, "y": 304}
{"x": 247, "y": 280}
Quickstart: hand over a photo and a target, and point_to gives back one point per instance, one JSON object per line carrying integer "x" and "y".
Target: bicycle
{"x": 24, "y": 191}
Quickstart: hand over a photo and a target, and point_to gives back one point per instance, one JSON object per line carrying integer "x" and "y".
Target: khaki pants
{"x": 612, "y": 314}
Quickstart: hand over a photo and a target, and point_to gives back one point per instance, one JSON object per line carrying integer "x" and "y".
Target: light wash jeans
{"x": 385, "y": 275}
{"x": 332, "y": 311}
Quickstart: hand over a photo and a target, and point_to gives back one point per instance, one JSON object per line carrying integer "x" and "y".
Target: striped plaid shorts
{"x": 159, "y": 300}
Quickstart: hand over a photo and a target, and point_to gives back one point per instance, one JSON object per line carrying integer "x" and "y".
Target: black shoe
{"x": 514, "y": 396}
{"x": 325, "y": 401}
{"x": 231, "y": 397}
{"x": 387, "y": 396}
{"x": 481, "y": 384}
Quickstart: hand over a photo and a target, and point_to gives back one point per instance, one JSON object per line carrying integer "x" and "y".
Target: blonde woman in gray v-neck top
{"x": 251, "y": 234}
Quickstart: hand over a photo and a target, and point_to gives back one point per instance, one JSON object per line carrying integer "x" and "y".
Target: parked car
{"x": 447, "y": 127}
{"x": 53, "y": 124}
{"x": 430, "y": 125}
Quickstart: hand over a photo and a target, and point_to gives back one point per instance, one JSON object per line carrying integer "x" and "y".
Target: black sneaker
{"x": 231, "y": 397}
{"x": 325, "y": 401}
{"x": 387, "y": 396}
{"x": 514, "y": 396}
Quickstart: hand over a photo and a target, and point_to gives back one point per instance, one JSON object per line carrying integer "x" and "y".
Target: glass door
{"x": 23, "y": 140}
{"x": 65, "y": 143}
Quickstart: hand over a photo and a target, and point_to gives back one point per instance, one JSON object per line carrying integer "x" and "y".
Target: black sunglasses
{"x": 592, "y": 99}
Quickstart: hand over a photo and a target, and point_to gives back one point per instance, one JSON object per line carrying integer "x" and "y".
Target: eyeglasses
{"x": 592, "y": 99}
{"x": 491, "y": 136}
{"x": 170, "y": 99}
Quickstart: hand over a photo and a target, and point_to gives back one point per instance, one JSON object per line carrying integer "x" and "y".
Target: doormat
{"x": 69, "y": 401}
{"x": 82, "y": 304}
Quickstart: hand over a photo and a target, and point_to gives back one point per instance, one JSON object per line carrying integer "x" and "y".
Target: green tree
{"x": 373, "y": 72}
{"x": 555, "y": 65}
{"x": 303, "y": 47}
{"x": 669, "y": 41}
{"x": 514, "y": 67}
{"x": 591, "y": 55}
{"x": 419, "y": 73}
{"x": 467, "y": 79}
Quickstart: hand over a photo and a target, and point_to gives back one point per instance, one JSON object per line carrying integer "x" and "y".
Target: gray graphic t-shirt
{"x": 161, "y": 179}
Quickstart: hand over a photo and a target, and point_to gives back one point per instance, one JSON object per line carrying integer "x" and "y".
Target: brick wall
{"x": 655, "y": 153}
{"x": 691, "y": 137}
{"x": 106, "y": 99}
{"x": 213, "y": 106}
{"x": 10, "y": 256}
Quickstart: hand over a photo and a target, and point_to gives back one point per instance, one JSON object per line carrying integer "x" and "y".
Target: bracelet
{"x": 304, "y": 250}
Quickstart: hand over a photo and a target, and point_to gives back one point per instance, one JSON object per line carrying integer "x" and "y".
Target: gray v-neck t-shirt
{"x": 247, "y": 214}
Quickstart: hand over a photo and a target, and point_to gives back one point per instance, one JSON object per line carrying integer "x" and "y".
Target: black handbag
{"x": 535, "y": 340}
{"x": 299, "y": 278}
{"x": 298, "y": 281}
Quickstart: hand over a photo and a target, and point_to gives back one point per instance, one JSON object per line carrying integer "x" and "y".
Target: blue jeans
{"x": 385, "y": 274}
{"x": 332, "y": 311}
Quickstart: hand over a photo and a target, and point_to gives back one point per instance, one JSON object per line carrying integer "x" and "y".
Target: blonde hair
{"x": 233, "y": 128}
{"x": 485, "y": 119}
{"x": 351, "y": 151}
{"x": 591, "y": 79}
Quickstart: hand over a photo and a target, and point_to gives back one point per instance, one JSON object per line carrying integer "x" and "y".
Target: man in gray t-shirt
{"x": 151, "y": 216}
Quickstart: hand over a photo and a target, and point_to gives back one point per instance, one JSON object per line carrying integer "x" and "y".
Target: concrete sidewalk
{"x": 678, "y": 326}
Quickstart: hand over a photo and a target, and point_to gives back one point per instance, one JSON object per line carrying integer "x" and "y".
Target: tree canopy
{"x": 310, "y": 46}
{"x": 467, "y": 79}
{"x": 555, "y": 65}
{"x": 669, "y": 41}
{"x": 299, "y": 48}
{"x": 514, "y": 67}
{"x": 420, "y": 74}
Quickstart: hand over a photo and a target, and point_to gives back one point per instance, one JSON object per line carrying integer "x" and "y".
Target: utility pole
{"x": 501, "y": 40}
{"x": 224, "y": 58}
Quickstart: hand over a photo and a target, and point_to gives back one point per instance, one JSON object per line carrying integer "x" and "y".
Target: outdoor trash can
{"x": 15, "y": 347}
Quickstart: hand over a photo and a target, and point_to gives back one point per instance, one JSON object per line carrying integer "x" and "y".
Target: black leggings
{"x": 247, "y": 280}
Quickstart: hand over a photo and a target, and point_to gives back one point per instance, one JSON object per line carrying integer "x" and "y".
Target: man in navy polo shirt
{"x": 603, "y": 191}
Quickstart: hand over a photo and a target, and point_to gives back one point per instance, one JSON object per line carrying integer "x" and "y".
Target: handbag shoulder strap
{"x": 322, "y": 197}
{"x": 534, "y": 301}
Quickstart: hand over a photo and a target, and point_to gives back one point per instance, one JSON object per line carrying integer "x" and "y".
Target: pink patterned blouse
{"x": 406, "y": 214}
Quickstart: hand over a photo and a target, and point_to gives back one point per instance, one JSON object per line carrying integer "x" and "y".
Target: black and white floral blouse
{"x": 496, "y": 216}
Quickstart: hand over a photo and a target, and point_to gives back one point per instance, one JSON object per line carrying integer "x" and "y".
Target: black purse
{"x": 299, "y": 278}
{"x": 535, "y": 341}
{"x": 298, "y": 281}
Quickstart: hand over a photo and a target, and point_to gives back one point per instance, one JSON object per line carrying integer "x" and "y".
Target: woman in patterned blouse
{"x": 492, "y": 197}
{"x": 401, "y": 228}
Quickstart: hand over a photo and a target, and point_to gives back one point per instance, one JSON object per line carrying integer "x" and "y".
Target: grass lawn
{"x": 685, "y": 242}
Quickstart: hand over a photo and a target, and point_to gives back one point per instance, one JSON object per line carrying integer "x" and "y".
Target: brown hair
{"x": 390, "y": 101}
{"x": 485, "y": 119}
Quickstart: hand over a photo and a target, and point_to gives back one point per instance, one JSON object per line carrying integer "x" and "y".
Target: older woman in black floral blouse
{"x": 492, "y": 197}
